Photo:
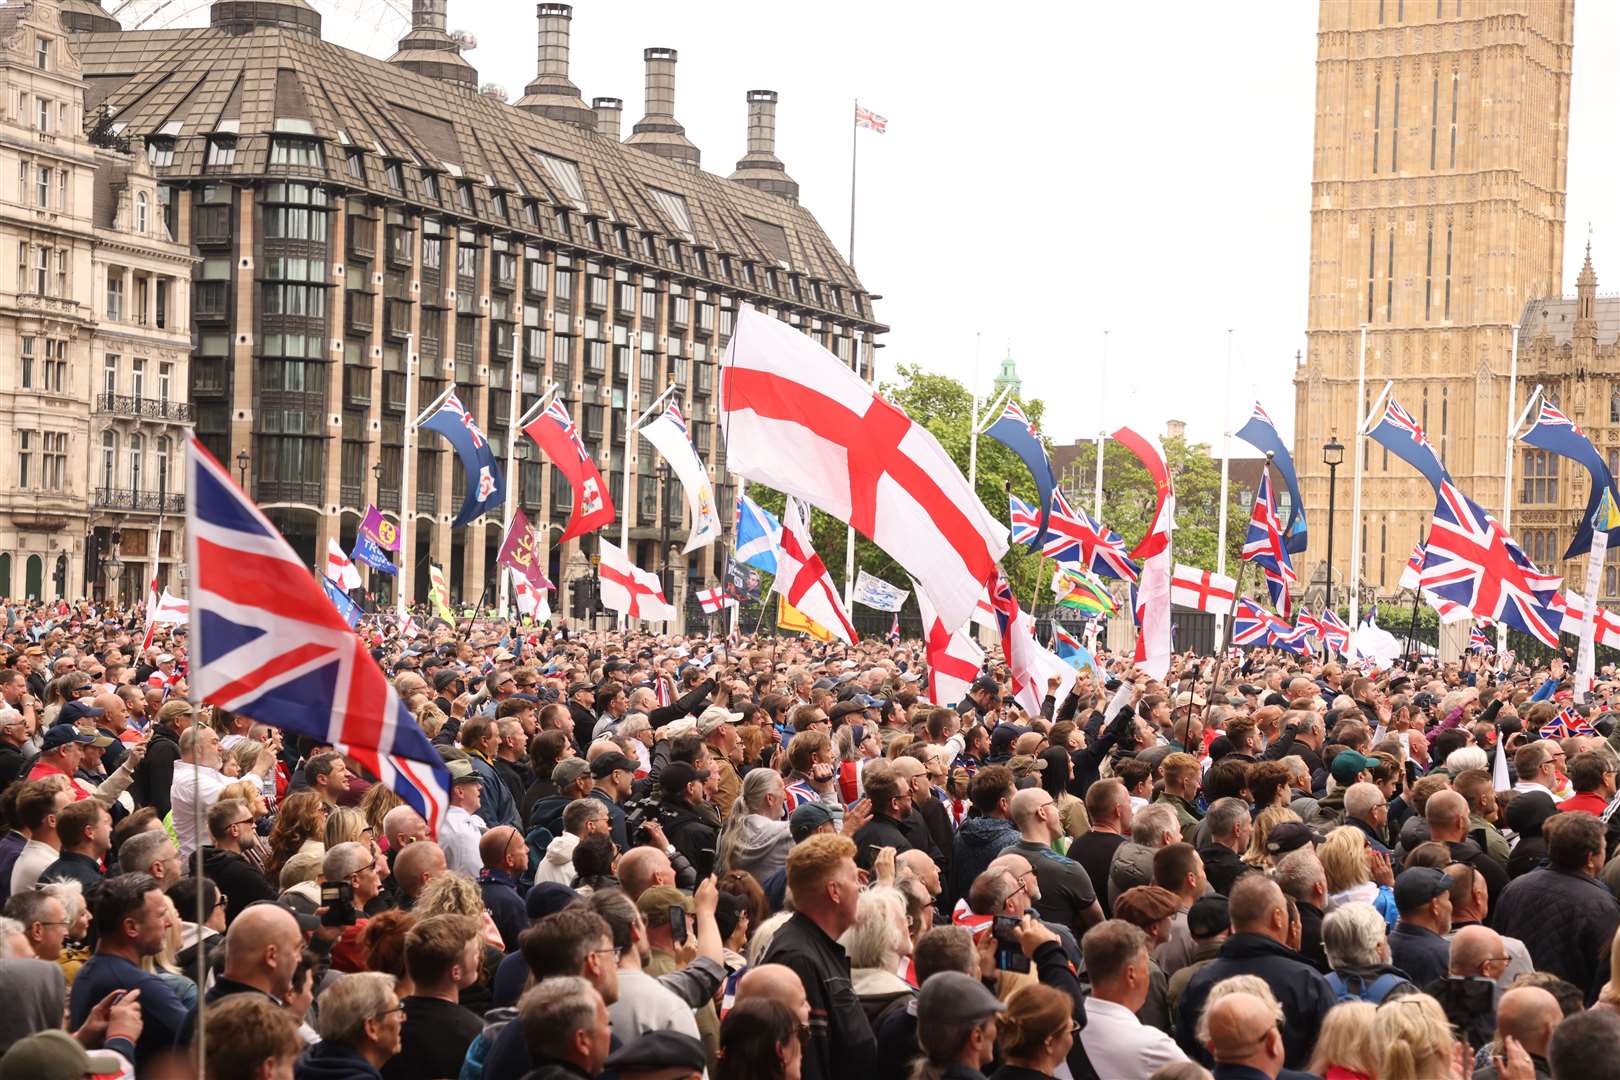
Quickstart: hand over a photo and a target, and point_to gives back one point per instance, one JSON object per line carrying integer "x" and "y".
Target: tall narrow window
{"x": 1425, "y": 413}
{"x": 1380, "y": 12}
{"x": 1372, "y": 245}
{"x": 1378, "y": 111}
{"x": 1453, "y": 164}
{"x": 1389, "y": 279}
{"x": 1400, "y": 10}
{"x": 137, "y": 448}
{"x": 1445, "y": 413}
{"x": 1447, "y": 314}
{"x": 109, "y": 459}
{"x": 1395, "y": 130}
{"x": 1428, "y": 276}
{"x": 1434, "y": 119}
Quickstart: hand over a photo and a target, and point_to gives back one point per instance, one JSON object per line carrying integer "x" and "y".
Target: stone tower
{"x": 1437, "y": 212}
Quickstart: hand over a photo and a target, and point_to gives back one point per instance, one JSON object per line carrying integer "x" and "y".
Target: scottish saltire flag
{"x": 759, "y": 535}
{"x": 267, "y": 644}
{"x": 1470, "y": 560}
{"x": 367, "y": 551}
{"x": 1333, "y": 631}
{"x": 1261, "y": 434}
{"x": 486, "y": 489}
{"x": 1072, "y": 538}
{"x": 1251, "y": 624}
{"x": 1397, "y": 432}
{"x": 1014, "y": 430}
{"x": 1558, "y": 434}
{"x": 1070, "y": 649}
{"x": 347, "y": 608}
{"x": 1478, "y": 642}
{"x": 1264, "y": 544}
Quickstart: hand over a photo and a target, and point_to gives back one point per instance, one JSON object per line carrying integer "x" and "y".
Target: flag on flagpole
{"x": 629, "y": 590}
{"x": 439, "y": 593}
{"x": 380, "y": 529}
{"x": 518, "y": 551}
{"x": 1152, "y": 596}
{"x": 803, "y": 578}
{"x": 954, "y": 658}
{"x": 894, "y": 630}
{"x": 715, "y": 600}
{"x": 1079, "y": 590}
{"x": 557, "y": 436}
{"x": 759, "y": 535}
{"x": 668, "y": 433}
{"x": 1251, "y": 624}
{"x": 1068, "y": 648}
{"x": 1335, "y": 634}
{"x": 267, "y": 645}
{"x": 1029, "y": 663}
{"x": 791, "y": 618}
{"x": 874, "y": 592}
{"x": 1014, "y": 430}
{"x": 1478, "y": 642}
{"x": 530, "y": 601}
{"x": 345, "y": 607}
{"x": 1558, "y": 434}
{"x": 1202, "y": 590}
{"x": 1073, "y": 538}
{"x": 1261, "y": 434}
{"x": 339, "y": 568}
{"x": 368, "y": 551}
{"x": 486, "y": 488}
{"x": 866, "y": 118}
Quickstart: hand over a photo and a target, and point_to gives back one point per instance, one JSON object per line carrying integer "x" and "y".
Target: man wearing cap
{"x": 1349, "y": 767}
{"x": 62, "y": 752}
{"x": 658, "y": 1055}
{"x": 656, "y": 905}
{"x": 462, "y": 828}
{"x": 717, "y": 726}
{"x": 682, "y": 788}
{"x": 166, "y": 677}
{"x": 614, "y": 775}
{"x": 1417, "y": 945}
{"x": 572, "y": 779}
{"x": 956, "y": 1024}
{"x": 982, "y": 698}
{"x": 55, "y": 1055}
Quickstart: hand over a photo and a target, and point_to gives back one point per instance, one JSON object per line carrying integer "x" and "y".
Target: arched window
{"x": 140, "y": 212}
{"x": 137, "y": 446}
{"x": 1614, "y": 404}
{"x": 109, "y": 459}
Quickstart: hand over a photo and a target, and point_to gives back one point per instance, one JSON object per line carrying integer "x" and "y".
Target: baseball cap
{"x": 1024, "y": 764}
{"x": 548, "y": 898}
{"x": 677, "y": 774}
{"x": 1348, "y": 763}
{"x": 657, "y": 1051}
{"x": 950, "y": 997}
{"x": 986, "y": 684}
{"x": 72, "y": 711}
{"x": 1418, "y": 885}
{"x": 569, "y": 770}
{"x": 462, "y": 772}
{"x": 55, "y": 1055}
{"x": 1208, "y": 916}
{"x": 61, "y": 734}
{"x": 809, "y": 817}
{"x": 1286, "y": 836}
{"x": 606, "y": 763}
{"x": 714, "y": 716}
{"x": 654, "y": 904}
{"x": 1004, "y": 735}
{"x": 581, "y": 688}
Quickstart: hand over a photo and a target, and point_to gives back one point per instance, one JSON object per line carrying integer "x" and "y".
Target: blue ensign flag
{"x": 1261, "y": 434}
{"x": 1558, "y": 434}
{"x": 1014, "y": 430}
{"x": 486, "y": 488}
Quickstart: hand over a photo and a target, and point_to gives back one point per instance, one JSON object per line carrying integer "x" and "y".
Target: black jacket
{"x": 1310, "y": 936}
{"x": 880, "y": 832}
{"x": 584, "y": 723}
{"x": 940, "y": 833}
{"x": 333, "y": 1061}
{"x": 1066, "y": 889}
{"x": 1494, "y": 873}
{"x": 547, "y": 814}
{"x": 11, "y": 764}
{"x": 1530, "y": 853}
{"x": 517, "y": 775}
{"x": 1566, "y": 920}
{"x": 237, "y": 879}
{"x": 841, "y": 1044}
{"x": 690, "y": 834}
{"x": 1301, "y": 990}
{"x": 1222, "y": 867}
{"x": 1420, "y": 953}
{"x": 616, "y": 825}
{"x": 155, "y": 774}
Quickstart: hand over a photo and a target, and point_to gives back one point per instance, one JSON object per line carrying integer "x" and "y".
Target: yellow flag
{"x": 1606, "y": 517}
{"x": 439, "y": 593}
{"x": 789, "y": 617}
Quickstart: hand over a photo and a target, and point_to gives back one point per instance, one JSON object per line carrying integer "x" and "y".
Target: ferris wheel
{"x": 368, "y": 26}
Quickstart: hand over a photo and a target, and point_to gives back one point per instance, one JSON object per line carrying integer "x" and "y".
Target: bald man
{"x": 403, "y": 825}
{"x": 505, "y": 857}
{"x": 414, "y": 867}
{"x": 920, "y": 866}
{"x": 643, "y": 867}
{"x": 1476, "y": 952}
{"x": 1449, "y": 820}
{"x": 1244, "y": 1034}
{"x": 262, "y": 949}
{"x": 1528, "y": 1014}
{"x": 778, "y": 983}
{"x": 113, "y": 722}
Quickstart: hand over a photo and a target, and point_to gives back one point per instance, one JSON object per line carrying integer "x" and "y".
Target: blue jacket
{"x": 1301, "y": 990}
{"x": 506, "y": 906}
{"x": 498, "y": 807}
{"x": 978, "y": 842}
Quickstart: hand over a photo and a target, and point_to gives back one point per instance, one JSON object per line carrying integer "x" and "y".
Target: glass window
{"x": 140, "y": 211}
{"x": 565, "y": 174}
{"x": 1540, "y": 484}
{"x": 295, "y": 153}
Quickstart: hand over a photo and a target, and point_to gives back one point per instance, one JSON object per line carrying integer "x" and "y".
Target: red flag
{"x": 555, "y": 432}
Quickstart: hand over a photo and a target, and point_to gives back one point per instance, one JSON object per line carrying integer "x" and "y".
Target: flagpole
{"x": 1507, "y": 466}
{"x": 503, "y": 588}
{"x": 1355, "y": 497}
{"x": 1226, "y": 478}
{"x": 973, "y": 437}
{"x": 854, "y": 151}
{"x": 407, "y": 487}
{"x": 1102, "y": 433}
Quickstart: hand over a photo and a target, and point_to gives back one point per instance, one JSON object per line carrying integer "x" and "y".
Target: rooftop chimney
{"x": 608, "y": 111}
{"x": 429, "y": 50}
{"x": 87, "y": 17}
{"x": 760, "y": 168}
{"x": 551, "y": 94}
{"x": 659, "y": 132}
{"x": 244, "y": 16}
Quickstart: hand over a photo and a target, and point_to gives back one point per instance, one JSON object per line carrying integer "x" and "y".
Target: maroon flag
{"x": 518, "y": 552}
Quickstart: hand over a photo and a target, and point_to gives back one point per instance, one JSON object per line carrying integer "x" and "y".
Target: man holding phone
{"x": 668, "y": 914}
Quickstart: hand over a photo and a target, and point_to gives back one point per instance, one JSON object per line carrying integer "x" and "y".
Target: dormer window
{"x": 464, "y": 196}
{"x": 221, "y": 149}
{"x": 430, "y": 184}
{"x": 42, "y": 52}
{"x": 296, "y": 152}
{"x": 160, "y": 150}
{"x": 140, "y": 212}
{"x": 395, "y": 173}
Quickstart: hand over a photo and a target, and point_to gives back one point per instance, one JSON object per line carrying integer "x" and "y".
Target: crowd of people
{"x": 669, "y": 858}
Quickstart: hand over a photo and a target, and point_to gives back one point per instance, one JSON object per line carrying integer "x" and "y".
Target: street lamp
{"x": 241, "y": 466}
{"x": 1332, "y": 457}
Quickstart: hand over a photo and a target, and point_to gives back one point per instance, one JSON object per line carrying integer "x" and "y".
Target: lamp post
{"x": 241, "y": 467}
{"x": 1332, "y": 457}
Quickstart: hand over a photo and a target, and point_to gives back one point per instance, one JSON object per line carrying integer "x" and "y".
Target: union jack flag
{"x": 269, "y": 645}
{"x": 673, "y": 415}
{"x": 1251, "y": 624}
{"x": 866, "y": 118}
{"x": 1295, "y": 639}
{"x": 558, "y": 412}
{"x": 1264, "y": 544}
{"x": 1478, "y": 642}
{"x": 1470, "y": 560}
{"x": 1015, "y": 413}
{"x": 1334, "y": 633}
{"x": 1568, "y": 722}
{"x": 1073, "y": 538}
{"x": 1414, "y": 568}
{"x": 1277, "y": 586}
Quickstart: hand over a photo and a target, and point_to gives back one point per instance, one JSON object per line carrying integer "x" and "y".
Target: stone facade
{"x": 1437, "y": 210}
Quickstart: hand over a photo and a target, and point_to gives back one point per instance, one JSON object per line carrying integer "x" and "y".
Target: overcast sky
{"x": 1051, "y": 171}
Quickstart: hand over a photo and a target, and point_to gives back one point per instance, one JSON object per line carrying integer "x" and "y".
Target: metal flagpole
{"x": 630, "y": 428}
{"x": 854, "y": 151}
{"x": 512, "y": 429}
{"x": 1226, "y": 480}
{"x": 1507, "y": 467}
{"x": 407, "y": 488}
{"x": 1102, "y": 432}
{"x": 1355, "y": 496}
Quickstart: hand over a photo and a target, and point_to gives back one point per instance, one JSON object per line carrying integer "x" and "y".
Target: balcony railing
{"x": 144, "y": 408}
{"x": 149, "y": 502}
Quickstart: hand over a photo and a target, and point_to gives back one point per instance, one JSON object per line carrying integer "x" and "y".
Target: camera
{"x": 337, "y": 897}
{"x": 1009, "y": 953}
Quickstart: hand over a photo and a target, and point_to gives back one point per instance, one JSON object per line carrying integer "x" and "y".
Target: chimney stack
{"x": 430, "y": 51}
{"x": 760, "y": 167}
{"x": 87, "y": 17}
{"x": 659, "y": 132}
{"x": 551, "y": 94}
{"x": 608, "y": 111}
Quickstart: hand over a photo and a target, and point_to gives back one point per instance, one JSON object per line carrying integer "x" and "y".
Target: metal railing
{"x": 144, "y": 408}
{"x": 145, "y": 501}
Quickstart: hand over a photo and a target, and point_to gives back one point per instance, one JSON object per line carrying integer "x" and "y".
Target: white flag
{"x": 802, "y": 577}
{"x": 529, "y": 602}
{"x": 668, "y": 433}
{"x": 339, "y": 568}
{"x": 874, "y": 592}
{"x": 171, "y": 609}
{"x": 630, "y": 590}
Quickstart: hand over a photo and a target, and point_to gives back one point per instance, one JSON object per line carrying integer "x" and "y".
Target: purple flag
{"x": 380, "y": 529}
{"x": 517, "y": 551}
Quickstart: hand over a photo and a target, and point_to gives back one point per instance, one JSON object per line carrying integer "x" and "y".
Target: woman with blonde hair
{"x": 246, "y": 755}
{"x": 432, "y": 719}
{"x": 1036, "y": 1033}
{"x": 1349, "y": 865}
{"x": 345, "y": 824}
{"x": 1345, "y": 1049}
{"x": 300, "y": 826}
{"x": 877, "y": 944}
{"x": 1415, "y": 1042}
{"x": 1257, "y": 856}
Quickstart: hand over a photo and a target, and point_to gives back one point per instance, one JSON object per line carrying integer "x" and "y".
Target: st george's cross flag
{"x": 629, "y": 590}
{"x": 557, "y": 436}
{"x": 531, "y": 602}
{"x": 954, "y": 658}
{"x": 340, "y": 568}
{"x": 715, "y": 600}
{"x": 797, "y": 419}
{"x": 802, "y": 577}
{"x": 268, "y": 645}
{"x": 1152, "y": 598}
{"x": 669, "y": 434}
{"x": 486, "y": 488}
{"x": 1029, "y": 663}
{"x": 1572, "y": 607}
{"x": 1202, "y": 590}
